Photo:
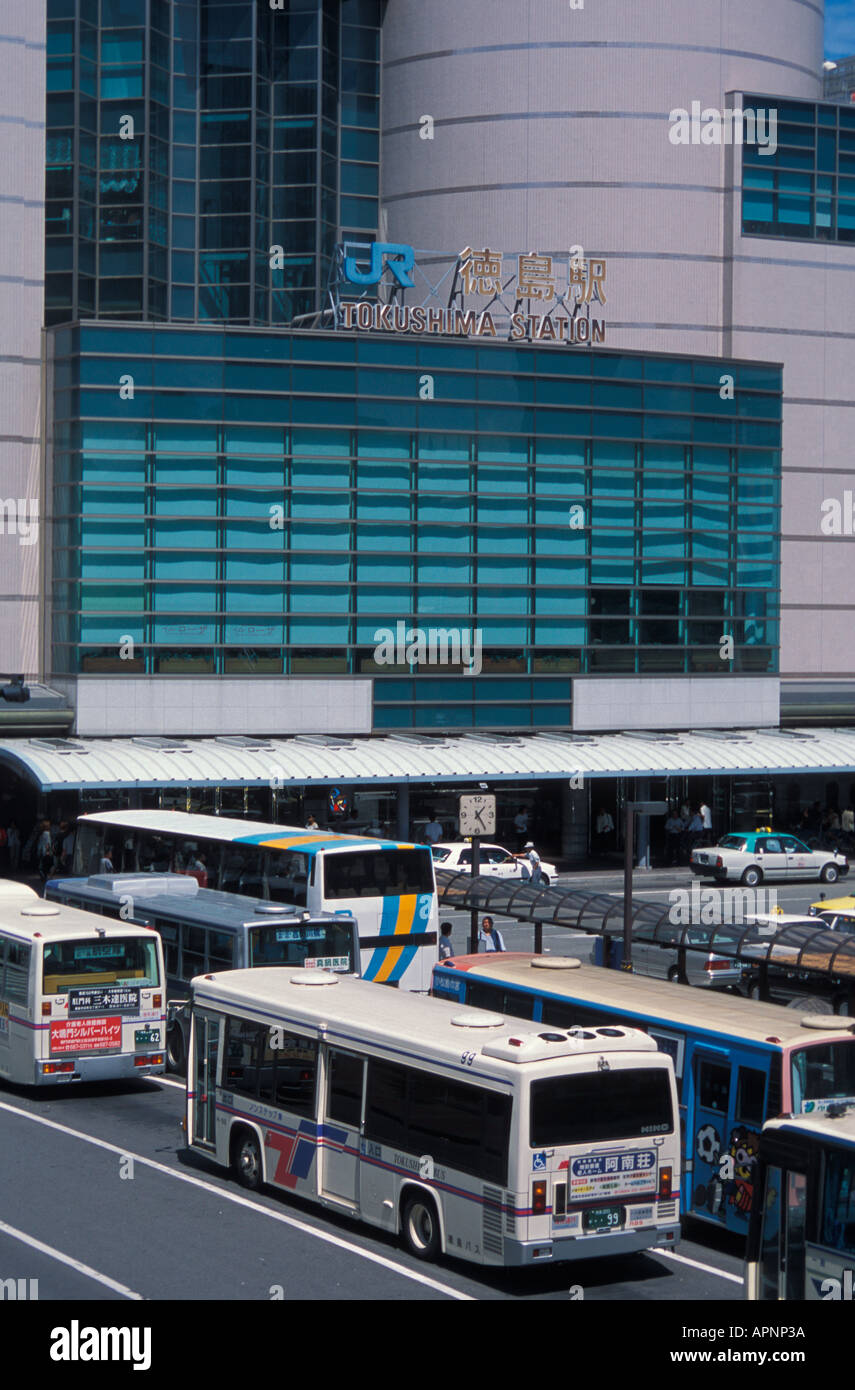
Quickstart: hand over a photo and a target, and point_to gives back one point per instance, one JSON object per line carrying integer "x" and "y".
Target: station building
{"x": 268, "y": 516}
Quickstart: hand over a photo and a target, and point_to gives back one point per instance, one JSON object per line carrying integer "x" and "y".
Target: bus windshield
{"x": 822, "y": 1073}
{"x": 378, "y": 873}
{"x": 115, "y": 961}
{"x": 592, "y": 1107}
{"x": 329, "y": 943}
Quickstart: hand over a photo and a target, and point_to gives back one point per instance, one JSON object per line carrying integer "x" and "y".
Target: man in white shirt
{"x": 531, "y": 859}
{"x": 433, "y": 830}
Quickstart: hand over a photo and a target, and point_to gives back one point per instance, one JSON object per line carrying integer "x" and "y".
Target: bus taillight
{"x": 157, "y": 1001}
{"x": 665, "y": 1176}
{"x": 50, "y": 1068}
{"x": 538, "y": 1198}
{"x": 46, "y": 1006}
{"x": 154, "y": 1061}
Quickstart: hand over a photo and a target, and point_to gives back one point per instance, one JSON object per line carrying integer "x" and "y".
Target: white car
{"x": 493, "y": 861}
{"x": 756, "y": 856}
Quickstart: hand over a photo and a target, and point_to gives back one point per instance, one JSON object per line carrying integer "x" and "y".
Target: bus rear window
{"x": 292, "y": 943}
{"x": 116, "y": 961}
{"x": 823, "y": 1072}
{"x": 378, "y": 873}
{"x": 592, "y": 1108}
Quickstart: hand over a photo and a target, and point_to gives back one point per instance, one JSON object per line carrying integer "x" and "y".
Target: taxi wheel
{"x": 752, "y": 876}
{"x": 674, "y": 976}
{"x": 830, "y": 873}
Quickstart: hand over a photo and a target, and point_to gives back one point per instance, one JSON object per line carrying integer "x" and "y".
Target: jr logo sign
{"x": 399, "y": 259}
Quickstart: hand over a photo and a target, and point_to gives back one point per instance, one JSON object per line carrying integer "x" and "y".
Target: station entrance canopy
{"x": 59, "y": 764}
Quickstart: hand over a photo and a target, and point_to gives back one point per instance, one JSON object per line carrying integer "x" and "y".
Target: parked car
{"x": 494, "y": 861}
{"x": 667, "y": 957}
{"x": 754, "y": 856}
{"x": 798, "y": 989}
{"x": 833, "y": 905}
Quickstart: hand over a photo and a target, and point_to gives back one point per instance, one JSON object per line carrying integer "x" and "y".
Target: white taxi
{"x": 494, "y": 861}
{"x": 754, "y": 856}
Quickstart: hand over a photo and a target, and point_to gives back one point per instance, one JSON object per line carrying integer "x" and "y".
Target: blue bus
{"x": 738, "y": 1062}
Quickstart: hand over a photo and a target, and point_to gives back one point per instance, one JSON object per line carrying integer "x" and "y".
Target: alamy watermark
{"x": 709, "y": 126}
{"x": 711, "y": 907}
{"x": 431, "y": 646}
{"x": 19, "y": 516}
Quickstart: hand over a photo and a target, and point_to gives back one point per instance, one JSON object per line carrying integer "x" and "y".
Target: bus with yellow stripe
{"x": 388, "y": 887}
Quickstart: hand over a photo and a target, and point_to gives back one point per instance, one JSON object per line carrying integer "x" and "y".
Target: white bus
{"x": 388, "y": 887}
{"x": 464, "y": 1132}
{"x": 81, "y": 998}
{"x": 801, "y": 1243}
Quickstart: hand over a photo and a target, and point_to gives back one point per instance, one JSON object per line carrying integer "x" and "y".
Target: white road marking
{"x": 68, "y": 1260}
{"x": 223, "y": 1195}
{"x": 696, "y": 1264}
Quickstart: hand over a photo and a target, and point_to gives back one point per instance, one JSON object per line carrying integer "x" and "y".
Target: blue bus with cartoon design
{"x": 738, "y": 1062}
{"x": 389, "y": 888}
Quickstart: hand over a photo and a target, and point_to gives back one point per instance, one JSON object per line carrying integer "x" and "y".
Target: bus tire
{"x": 752, "y": 876}
{"x": 420, "y": 1226}
{"x": 246, "y": 1159}
{"x": 176, "y": 1052}
{"x": 812, "y": 1004}
{"x": 830, "y": 873}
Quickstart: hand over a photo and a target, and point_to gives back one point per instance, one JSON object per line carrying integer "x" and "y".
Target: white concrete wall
{"x": 173, "y": 705}
{"x": 676, "y": 702}
{"x": 22, "y": 162}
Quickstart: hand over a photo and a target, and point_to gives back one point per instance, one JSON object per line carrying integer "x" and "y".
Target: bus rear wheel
{"x": 176, "y": 1053}
{"x": 246, "y": 1160}
{"x": 420, "y": 1224}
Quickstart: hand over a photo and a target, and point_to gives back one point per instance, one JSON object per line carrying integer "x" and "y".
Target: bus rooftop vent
{"x": 555, "y": 963}
{"x": 830, "y": 1023}
{"x": 314, "y": 977}
{"x": 477, "y": 1018}
{"x": 41, "y": 911}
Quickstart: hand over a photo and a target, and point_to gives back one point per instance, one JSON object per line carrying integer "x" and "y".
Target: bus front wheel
{"x": 246, "y": 1160}
{"x": 421, "y": 1226}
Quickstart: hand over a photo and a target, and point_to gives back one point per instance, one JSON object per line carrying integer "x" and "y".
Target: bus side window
{"x": 220, "y": 950}
{"x": 750, "y": 1093}
{"x": 17, "y": 975}
{"x": 244, "y": 1043}
{"x": 713, "y": 1087}
{"x": 480, "y": 996}
{"x": 169, "y": 936}
{"x": 3, "y": 946}
{"x": 193, "y": 954}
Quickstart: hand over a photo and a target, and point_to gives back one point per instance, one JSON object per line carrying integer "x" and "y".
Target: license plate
{"x": 144, "y": 1036}
{"x": 603, "y": 1219}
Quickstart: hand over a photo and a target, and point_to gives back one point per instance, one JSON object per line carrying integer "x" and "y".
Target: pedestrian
{"x": 13, "y": 843}
{"x": 105, "y": 863}
{"x": 673, "y": 830}
{"x": 521, "y": 826}
{"x": 605, "y": 829}
{"x": 44, "y": 850}
{"x": 66, "y": 854}
{"x": 445, "y": 947}
{"x": 531, "y": 862}
{"x": 312, "y": 824}
{"x": 706, "y": 816}
{"x": 489, "y": 937}
{"x": 433, "y": 830}
{"x": 847, "y": 821}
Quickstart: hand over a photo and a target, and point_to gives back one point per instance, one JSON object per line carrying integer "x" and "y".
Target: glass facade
{"x": 203, "y": 158}
{"x": 270, "y": 502}
{"x": 806, "y": 189}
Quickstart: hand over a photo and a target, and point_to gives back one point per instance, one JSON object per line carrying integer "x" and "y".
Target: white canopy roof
{"x": 55, "y": 764}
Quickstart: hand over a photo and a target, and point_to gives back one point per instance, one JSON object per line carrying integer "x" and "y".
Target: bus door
{"x": 708, "y": 1133}
{"x": 340, "y": 1126}
{"x": 207, "y": 1042}
{"x": 781, "y": 1255}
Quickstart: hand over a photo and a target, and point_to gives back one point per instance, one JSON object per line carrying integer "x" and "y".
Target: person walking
{"x": 531, "y": 860}
{"x": 521, "y": 826}
{"x": 489, "y": 937}
{"x": 13, "y": 844}
{"x": 445, "y": 947}
{"x": 706, "y": 816}
{"x": 605, "y": 830}
{"x": 433, "y": 830}
{"x": 44, "y": 850}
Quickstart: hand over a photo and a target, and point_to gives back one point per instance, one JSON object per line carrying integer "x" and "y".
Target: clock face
{"x": 478, "y": 814}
